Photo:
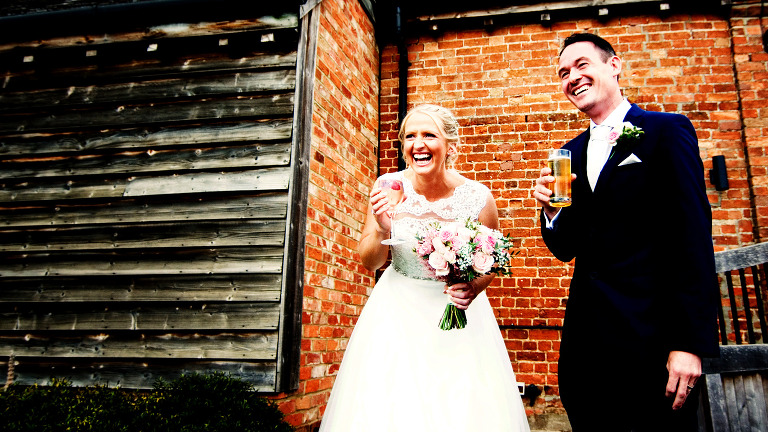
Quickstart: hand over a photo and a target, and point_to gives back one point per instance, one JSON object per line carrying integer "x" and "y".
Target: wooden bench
{"x": 734, "y": 387}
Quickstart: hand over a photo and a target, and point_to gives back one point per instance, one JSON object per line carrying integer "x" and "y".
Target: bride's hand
{"x": 381, "y": 208}
{"x": 462, "y": 294}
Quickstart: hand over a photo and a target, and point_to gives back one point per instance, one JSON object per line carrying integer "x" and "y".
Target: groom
{"x": 641, "y": 308}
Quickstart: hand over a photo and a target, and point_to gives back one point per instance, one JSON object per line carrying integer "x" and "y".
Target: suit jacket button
{"x": 593, "y": 275}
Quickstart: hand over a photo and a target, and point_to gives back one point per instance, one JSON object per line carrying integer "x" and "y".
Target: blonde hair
{"x": 445, "y": 121}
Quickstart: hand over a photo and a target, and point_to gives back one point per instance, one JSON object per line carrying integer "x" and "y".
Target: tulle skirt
{"x": 401, "y": 372}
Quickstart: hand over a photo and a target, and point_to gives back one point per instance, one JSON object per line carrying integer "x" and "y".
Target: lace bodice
{"x": 415, "y": 213}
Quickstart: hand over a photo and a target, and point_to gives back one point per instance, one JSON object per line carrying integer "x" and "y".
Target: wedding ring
{"x": 690, "y": 387}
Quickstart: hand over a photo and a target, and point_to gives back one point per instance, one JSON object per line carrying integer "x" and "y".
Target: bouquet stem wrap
{"x": 453, "y": 317}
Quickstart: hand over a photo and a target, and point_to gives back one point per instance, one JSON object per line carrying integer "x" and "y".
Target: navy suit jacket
{"x": 644, "y": 273}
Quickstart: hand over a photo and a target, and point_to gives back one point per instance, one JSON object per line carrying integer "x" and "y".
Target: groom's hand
{"x": 684, "y": 370}
{"x": 542, "y": 192}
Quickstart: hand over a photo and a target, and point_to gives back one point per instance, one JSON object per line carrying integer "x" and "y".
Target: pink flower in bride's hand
{"x": 487, "y": 244}
{"x": 425, "y": 249}
{"x": 449, "y": 256}
{"x": 430, "y": 234}
{"x": 447, "y": 235}
{"x": 439, "y": 263}
{"x": 482, "y": 262}
{"x": 438, "y": 245}
{"x": 463, "y": 236}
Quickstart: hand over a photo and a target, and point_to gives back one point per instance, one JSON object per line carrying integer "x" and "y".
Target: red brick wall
{"x": 343, "y": 164}
{"x": 751, "y": 64}
{"x": 502, "y": 86}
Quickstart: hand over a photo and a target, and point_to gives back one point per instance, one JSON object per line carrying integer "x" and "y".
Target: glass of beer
{"x": 559, "y": 161}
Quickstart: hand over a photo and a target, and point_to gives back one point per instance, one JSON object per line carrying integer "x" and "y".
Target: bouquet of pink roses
{"x": 460, "y": 252}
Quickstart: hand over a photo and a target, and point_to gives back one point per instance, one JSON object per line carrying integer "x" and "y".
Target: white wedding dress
{"x": 400, "y": 371}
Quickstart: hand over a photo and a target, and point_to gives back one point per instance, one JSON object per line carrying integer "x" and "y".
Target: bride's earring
{"x": 448, "y": 156}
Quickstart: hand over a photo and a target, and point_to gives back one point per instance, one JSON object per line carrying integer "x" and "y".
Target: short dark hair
{"x": 599, "y": 42}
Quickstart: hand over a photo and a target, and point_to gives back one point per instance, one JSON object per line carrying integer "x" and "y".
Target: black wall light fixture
{"x": 718, "y": 175}
{"x": 765, "y": 41}
{"x": 765, "y": 32}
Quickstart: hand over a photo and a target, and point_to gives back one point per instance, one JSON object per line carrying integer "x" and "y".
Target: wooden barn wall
{"x": 144, "y": 203}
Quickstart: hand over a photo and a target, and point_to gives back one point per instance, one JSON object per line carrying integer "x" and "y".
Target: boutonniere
{"x": 628, "y": 136}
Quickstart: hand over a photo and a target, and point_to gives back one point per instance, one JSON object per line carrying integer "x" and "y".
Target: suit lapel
{"x": 579, "y": 159}
{"x": 634, "y": 116}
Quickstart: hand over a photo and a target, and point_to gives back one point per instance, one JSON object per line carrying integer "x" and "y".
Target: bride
{"x": 400, "y": 371}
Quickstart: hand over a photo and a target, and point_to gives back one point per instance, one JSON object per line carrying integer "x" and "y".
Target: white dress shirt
{"x": 598, "y": 148}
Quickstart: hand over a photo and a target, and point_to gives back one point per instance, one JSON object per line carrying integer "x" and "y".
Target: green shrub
{"x": 217, "y": 403}
{"x": 61, "y": 407}
{"x": 189, "y": 404}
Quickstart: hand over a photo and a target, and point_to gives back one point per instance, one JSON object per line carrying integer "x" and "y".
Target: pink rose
{"x": 425, "y": 248}
{"x": 488, "y": 244}
{"x": 463, "y": 235}
{"x": 450, "y": 256}
{"x": 482, "y": 262}
{"x": 447, "y": 235}
{"x": 612, "y": 137}
{"x": 438, "y": 245}
{"x": 438, "y": 262}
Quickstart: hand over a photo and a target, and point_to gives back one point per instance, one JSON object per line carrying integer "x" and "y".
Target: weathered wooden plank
{"x": 290, "y": 326}
{"x": 740, "y": 402}
{"x": 149, "y": 262}
{"x": 121, "y": 115}
{"x": 718, "y": 410}
{"x": 221, "y": 346}
{"x": 222, "y": 61}
{"x": 83, "y": 189}
{"x": 104, "y": 320}
{"x": 252, "y": 155}
{"x": 248, "y": 181}
{"x": 742, "y": 257}
{"x": 737, "y": 359}
{"x": 212, "y": 316}
{"x": 237, "y": 287}
{"x": 259, "y": 180}
{"x": 157, "y": 90}
{"x": 258, "y": 130}
{"x": 731, "y": 403}
{"x": 273, "y": 21}
{"x": 157, "y": 235}
{"x": 108, "y": 60}
{"x": 268, "y": 205}
{"x": 764, "y": 379}
{"x": 144, "y": 374}
{"x": 153, "y": 317}
{"x": 757, "y": 408}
